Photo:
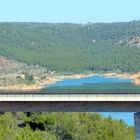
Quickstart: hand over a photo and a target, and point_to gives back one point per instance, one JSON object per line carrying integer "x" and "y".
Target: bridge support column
{"x": 137, "y": 125}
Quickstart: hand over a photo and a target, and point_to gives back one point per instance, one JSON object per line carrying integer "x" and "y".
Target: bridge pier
{"x": 137, "y": 125}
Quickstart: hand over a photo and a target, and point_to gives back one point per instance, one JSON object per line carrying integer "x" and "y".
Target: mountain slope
{"x": 73, "y": 47}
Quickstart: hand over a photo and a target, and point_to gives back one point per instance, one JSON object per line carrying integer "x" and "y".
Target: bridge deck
{"x": 97, "y": 101}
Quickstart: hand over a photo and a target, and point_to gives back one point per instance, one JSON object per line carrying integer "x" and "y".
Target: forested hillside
{"x": 64, "y": 47}
{"x": 62, "y": 126}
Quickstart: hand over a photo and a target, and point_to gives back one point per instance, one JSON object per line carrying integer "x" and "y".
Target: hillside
{"x": 63, "y": 47}
{"x": 62, "y": 126}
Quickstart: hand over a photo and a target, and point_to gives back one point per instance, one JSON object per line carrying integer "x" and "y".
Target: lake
{"x": 99, "y": 83}
{"x": 94, "y": 83}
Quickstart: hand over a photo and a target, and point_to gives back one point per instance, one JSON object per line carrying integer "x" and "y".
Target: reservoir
{"x": 94, "y": 83}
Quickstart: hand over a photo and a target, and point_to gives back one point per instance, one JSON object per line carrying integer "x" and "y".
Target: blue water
{"x": 95, "y": 80}
{"x": 89, "y": 80}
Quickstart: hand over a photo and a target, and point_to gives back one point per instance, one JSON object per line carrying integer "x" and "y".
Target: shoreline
{"x": 53, "y": 79}
{"x": 40, "y": 84}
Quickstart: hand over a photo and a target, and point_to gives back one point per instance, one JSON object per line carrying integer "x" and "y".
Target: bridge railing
{"x": 69, "y": 97}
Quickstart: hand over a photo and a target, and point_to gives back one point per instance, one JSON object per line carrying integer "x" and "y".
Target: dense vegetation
{"x": 62, "y": 126}
{"x": 73, "y": 47}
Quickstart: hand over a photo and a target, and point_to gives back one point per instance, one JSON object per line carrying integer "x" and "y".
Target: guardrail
{"x": 69, "y": 97}
{"x": 63, "y": 92}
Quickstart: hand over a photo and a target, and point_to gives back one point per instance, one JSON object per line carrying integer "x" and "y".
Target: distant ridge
{"x": 66, "y": 47}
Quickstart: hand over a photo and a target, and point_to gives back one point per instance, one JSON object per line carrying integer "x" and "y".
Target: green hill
{"x": 62, "y": 126}
{"x": 64, "y": 47}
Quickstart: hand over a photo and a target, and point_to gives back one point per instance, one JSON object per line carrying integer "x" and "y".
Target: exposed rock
{"x": 135, "y": 41}
{"x": 4, "y": 62}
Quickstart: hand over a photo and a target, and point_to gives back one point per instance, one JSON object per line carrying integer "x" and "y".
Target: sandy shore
{"x": 135, "y": 77}
{"x": 40, "y": 84}
{"x": 50, "y": 80}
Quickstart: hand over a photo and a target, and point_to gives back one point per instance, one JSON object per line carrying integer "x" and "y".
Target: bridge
{"x": 74, "y": 101}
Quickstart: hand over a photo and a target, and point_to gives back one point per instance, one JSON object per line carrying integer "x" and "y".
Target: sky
{"x": 70, "y": 11}
{"x": 127, "y": 117}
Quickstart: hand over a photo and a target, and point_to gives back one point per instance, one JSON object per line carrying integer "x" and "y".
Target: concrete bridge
{"x": 87, "y": 101}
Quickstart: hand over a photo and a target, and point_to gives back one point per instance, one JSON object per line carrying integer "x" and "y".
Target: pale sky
{"x": 73, "y": 11}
